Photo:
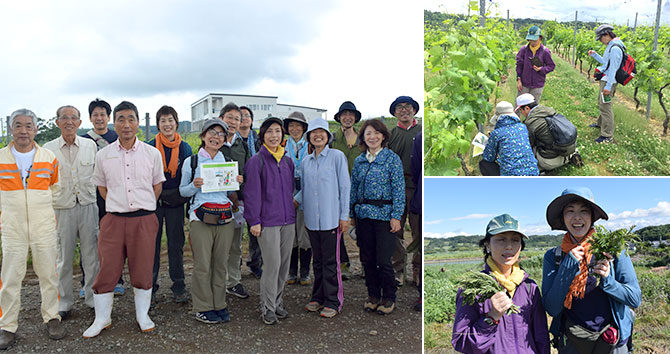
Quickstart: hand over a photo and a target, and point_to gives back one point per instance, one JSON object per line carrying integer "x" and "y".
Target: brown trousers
{"x": 126, "y": 237}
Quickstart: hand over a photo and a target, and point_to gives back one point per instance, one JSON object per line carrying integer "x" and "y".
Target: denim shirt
{"x": 613, "y": 55}
{"x": 187, "y": 189}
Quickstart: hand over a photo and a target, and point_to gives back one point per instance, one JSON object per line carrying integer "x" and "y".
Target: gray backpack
{"x": 564, "y": 134}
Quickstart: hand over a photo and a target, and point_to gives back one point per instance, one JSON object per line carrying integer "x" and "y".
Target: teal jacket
{"x": 380, "y": 180}
{"x": 621, "y": 286}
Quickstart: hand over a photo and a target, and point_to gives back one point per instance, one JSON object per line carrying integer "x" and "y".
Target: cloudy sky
{"x": 612, "y": 11}
{"x": 463, "y": 206}
{"x": 309, "y": 53}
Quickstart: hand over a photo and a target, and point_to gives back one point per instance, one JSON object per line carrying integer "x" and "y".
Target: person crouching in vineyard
{"x": 508, "y": 151}
{"x": 590, "y": 315}
{"x": 533, "y": 63}
{"x": 513, "y": 319}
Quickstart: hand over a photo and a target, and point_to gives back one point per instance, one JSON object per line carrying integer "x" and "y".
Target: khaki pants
{"x": 536, "y": 92}
{"x": 44, "y": 249}
{"x": 606, "y": 117}
{"x": 211, "y": 246}
{"x": 276, "y": 244}
{"x": 546, "y": 164}
{"x": 79, "y": 221}
{"x": 235, "y": 259}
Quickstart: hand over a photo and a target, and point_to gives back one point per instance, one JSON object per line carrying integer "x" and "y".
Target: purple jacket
{"x": 525, "y": 332}
{"x": 268, "y": 195}
{"x": 524, "y": 68}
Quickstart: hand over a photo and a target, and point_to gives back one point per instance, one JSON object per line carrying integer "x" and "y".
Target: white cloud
{"x": 443, "y": 235}
{"x": 433, "y": 222}
{"x": 473, "y": 217}
{"x": 661, "y": 209}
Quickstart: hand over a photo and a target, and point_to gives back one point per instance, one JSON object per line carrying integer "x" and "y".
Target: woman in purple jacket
{"x": 484, "y": 327}
{"x": 533, "y": 63}
{"x": 268, "y": 199}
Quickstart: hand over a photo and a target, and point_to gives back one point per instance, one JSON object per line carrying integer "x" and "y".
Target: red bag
{"x": 626, "y": 70}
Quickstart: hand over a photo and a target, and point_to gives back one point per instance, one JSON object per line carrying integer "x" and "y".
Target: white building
{"x": 263, "y": 106}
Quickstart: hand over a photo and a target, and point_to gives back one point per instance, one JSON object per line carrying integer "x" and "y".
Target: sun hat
{"x": 603, "y": 29}
{"x": 503, "y": 223}
{"x": 404, "y": 99}
{"x": 503, "y": 108}
{"x": 534, "y": 33}
{"x": 523, "y": 100}
{"x": 315, "y": 124}
{"x": 296, "y": 117}
{"x": 348, "y": 106}
{"x": 209, "y": 123}
{"x": 569, "y": 195}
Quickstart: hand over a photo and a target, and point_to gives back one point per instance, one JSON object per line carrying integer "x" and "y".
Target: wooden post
{"x": 574, "y": 48}
{"x": 658, "y": 21}
{"x": 147, "y": 137}
{"x": 482, "y": 13}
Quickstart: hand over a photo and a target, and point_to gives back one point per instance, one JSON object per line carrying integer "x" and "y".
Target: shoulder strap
{"x": 558, "y": 256}
{"x": 194, "y": 164}
{"x": 623, "y": 55}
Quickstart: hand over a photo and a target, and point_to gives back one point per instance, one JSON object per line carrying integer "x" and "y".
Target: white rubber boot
{"x": 103, "y": 314}
{"x": 142, "y": 303}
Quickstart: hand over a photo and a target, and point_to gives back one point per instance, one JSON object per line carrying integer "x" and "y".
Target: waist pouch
{"x": 171, "y": 197}
{"x": 215, "y": 214}
{"x": 590, "y": 342}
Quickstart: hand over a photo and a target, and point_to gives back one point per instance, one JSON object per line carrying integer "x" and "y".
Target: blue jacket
{"x": 187, "y": 189}
{"x": 382, "y": 179}
{"x": 510, "y": 145}
{"x": 613, "y": 55}
{"x": 621, "y": 286}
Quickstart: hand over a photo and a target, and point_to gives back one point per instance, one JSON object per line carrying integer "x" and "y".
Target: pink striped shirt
{"x": 129, "y": 176}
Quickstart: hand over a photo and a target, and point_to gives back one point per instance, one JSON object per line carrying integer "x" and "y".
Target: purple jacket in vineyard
{"x": 524, "y": 68}
{"x": 525, "y": 332}
{"x": 268, "y": 194}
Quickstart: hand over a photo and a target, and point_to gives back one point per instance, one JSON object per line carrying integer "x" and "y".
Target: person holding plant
{"x": 377, "y": 204}
{"x": 489, "y": 326}
{"x": 533, "y": 63}
{"x": 589, "y": 314}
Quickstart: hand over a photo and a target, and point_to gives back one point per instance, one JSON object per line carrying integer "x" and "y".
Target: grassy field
{"x": 638, "y": 148}
{"x": 651, "y": 326}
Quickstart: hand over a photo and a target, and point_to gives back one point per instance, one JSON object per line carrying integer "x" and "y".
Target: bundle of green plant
{"x": 611, "y": 242}
{"x": 478, "y": 286}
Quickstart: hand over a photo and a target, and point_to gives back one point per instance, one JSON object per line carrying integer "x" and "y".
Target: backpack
{"x": 564, "y": 134}
{"x": 627, "y": 69}
{"x": 194, "y": 165}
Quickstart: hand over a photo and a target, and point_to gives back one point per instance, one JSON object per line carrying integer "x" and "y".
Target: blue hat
{"x": 534, "y": 33}
{"x": 555, "y": 208}
{"x": 404, "y": 99}
{"x": 348, "y": 106}
{"x": 503, "y": 223}
{"x": 315, "y": 124}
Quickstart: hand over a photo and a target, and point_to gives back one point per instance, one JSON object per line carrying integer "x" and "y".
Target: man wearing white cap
{"x": 549, "y": 156}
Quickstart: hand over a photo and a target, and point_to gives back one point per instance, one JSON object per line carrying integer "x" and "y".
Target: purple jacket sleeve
{"x": 549, "y": 65}
{"x": 471, "y": 334}
{"x": 252, "y": 191}
{"x": 540, "y": 328}
{"x": 519, "y": 62}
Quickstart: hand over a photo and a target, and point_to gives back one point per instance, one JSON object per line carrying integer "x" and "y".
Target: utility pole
{"x": 658, "y": 21}
{"x": 635, "y": 25}
{"x": 9, "y": 136}
{"x": 146, "y": 120}
{"x": 574, "y": 48}
{"x": 508, "y": 19}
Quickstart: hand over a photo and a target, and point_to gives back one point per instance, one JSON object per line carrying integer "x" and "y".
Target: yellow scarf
{"x": 509, "y": 283}
{"x": 277, "y": 155}
{"x": 534, "y": 49}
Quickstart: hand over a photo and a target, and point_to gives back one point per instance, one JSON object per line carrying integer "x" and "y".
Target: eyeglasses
{"x": 215, "y": 133}
{"x": 407, "y": 107}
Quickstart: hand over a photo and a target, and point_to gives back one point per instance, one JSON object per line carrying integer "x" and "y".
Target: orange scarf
{"x": 578, "y": 285}
{"x": 161, "y": 143}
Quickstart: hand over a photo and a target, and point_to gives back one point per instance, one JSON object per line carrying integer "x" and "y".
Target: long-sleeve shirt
{"x": 613, "y": 55}
{"x": 325, "y": 189}
{"x": 524, "y": 68}
{"x": 187, "y": 189}
{"x": 75, "y": 168}
{"x": 381, "y": 179}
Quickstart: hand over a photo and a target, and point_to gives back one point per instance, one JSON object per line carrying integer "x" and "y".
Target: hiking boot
{"x": 224, "y": 314}
{"x": 82, "y": 294}
{"x": 6, "y": 339}
{"x": 327, "y": 312}
{"x": 594, "y": 125}
{"x": 238, "y": 290}
{"x": 344, "y": 270}
{"x": 400, "y": 279}
{"x": 209, "y": 317}
{"x": 371, "y": 304}
{"x": 64, "y": 315}
{"x": 313, "y": 306}
{"x": 603, "y": 139}
{"x": 269, "y": 317}
{"x": 56, "y": 329}
{"x": 306, "y": 280}
{"x": 119, "y": 290}
{"x": 181, "y": 298}
{"x": 386, "y": 307}
{"x": 576, "y": 159}
{"x": 292, "y": 279}
{"x": 257, "y": 273}
{"x": 281, "y": 312}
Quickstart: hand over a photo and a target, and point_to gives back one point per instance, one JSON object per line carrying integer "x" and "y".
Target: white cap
{"x": 502, "y": 108}
{"x": 523, "y": 100}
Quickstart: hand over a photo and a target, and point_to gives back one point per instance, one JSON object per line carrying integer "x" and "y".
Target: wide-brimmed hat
{"x": 534, "y": 33}
{"x": 524, "y": 99}
{"x": 315, "y": 124}
{"x": 296, "y": 117}
{"x": 503, "y": 108}
{"x": 569, "y": 195}
{"x": 503, "y": 223}
{"x": 209, "y": 123}
{"x": 348, "y": 106}
{"x": 602, "y": 29}
{"x": 403, "y": 99}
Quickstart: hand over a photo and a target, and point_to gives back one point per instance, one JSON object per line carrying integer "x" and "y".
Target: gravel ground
{"x": 353, "y": 330}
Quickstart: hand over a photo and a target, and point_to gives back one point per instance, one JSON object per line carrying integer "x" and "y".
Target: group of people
{"x": 298, "y": 196}
{"x": 531, "y": 147}
{"x": 590, "y": 301}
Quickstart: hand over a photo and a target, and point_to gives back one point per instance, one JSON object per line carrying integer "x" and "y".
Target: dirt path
{"x": 353, "y": 330}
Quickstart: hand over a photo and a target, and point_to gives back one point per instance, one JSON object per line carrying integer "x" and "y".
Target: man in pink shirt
{"x": 129, "y": 176}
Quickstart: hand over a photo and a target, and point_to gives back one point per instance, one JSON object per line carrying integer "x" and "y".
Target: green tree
{"x": 47, "y": 130}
